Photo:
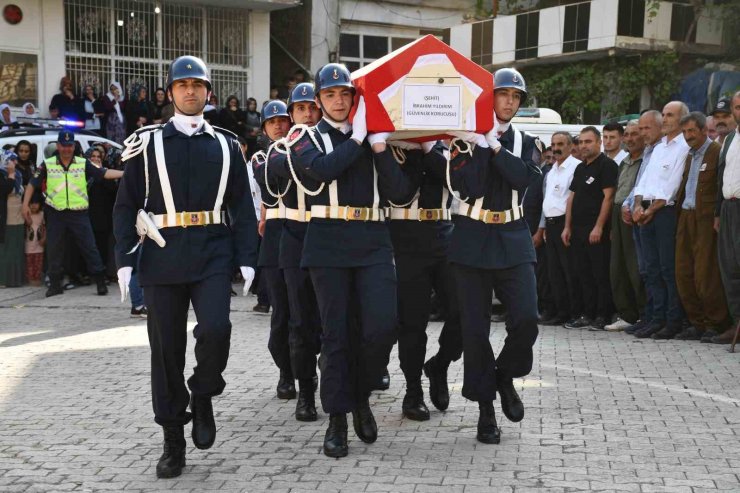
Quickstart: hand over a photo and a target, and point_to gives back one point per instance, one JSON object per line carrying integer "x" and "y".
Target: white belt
{"x": 347, "y": 213}
{"x": 275, "y": 213}
{"x": 419, "y": 214}
{"x": 491, "y": 217}
{"x": 296, "y": 215}
{"x": 186, "y": 219}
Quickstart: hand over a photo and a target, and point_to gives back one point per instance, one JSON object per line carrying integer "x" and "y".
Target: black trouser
{"x": 304, "y": 324}
{"x": 561, "y": 270}
{"x": 417, "y": 274}
{"x": 278, "y": 343}
{"x": 592, "y": 262}
{"x": 76, "y": 223}
{"x": 358, "y": 316}
{"x": 167, "y": 326}
{"x": 516, "y": 287}
{"x": 545, "y": 298}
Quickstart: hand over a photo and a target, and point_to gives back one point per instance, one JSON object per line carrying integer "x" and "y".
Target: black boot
{"x": 511, "y": 404}
{"x": 488, "y": 431}
{"x": 413, "y": 406}
{"x": 100, "y": 283}
{"x": 173, "y": 459}
{"x": 364, "y": 422}
{"x": 335, "y": 440}
{"x": 55, "y": 287}
{"x": 286, "y": 386}
{"x": 204, "y": 426}
{"x": 436, "y": 371}
{"x": 385, "y": 381}
{"x": 305, "y": 408}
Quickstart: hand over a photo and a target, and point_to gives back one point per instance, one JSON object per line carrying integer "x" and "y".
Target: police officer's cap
{"x": 274, "y": 109}
{"x": 301, "y": 93}
{"x": 333, "y": 75}
{"x": 188, "y": 67}
{"x": 66, "y": 138}
{"x": 510, "y": 78}
{"x": 723, "y": 106}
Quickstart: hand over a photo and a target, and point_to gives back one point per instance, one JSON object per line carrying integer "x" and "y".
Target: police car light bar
{"x": 51, "y": 122}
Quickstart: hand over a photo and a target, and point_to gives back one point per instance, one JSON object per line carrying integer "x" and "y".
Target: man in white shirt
{"x": 560, "y": 265}
{"x": 728, "y": 226}
{"x": 655, "y": 214}
{"x": 612, "y": 135}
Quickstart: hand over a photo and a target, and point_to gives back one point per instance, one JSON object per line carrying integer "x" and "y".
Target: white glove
{"x": 378, "y": 138}
{"x": 492, "y": 135}
{"x": 428, "y": 146}
{"x": 405, "y": 144}
{"x": 248, "y": 275}
{"x": 471, "y": 137}
{"x": 359, "y": 125}
{"x": 124, "y": 278}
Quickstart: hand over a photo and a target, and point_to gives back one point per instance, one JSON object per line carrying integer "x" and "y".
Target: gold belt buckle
{"x": 428, "y": 214}
{"x": 193, "y": 219}
{"x": 357, "y": 213}
{"x": 494, "y": 217}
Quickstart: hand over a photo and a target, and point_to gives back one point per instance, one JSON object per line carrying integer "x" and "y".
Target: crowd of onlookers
{"x": 637, "y": 227}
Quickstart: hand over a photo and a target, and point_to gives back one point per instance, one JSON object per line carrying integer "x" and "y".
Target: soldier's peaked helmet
{"x": 188, "y": 67}
{"x": 510, "y": 78}
{"x": 333, "y": 75}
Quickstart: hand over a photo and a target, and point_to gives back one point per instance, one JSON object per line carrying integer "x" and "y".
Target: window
{"x": 144, "y": 40}
{"x": 482, "y": 43}
{"x": 19, "y": 80}
{"x": 357, "y": 50}
{"x": 527, "y": 35}
{"x": 631, "y": 18}
{"x": 575, "y": 35}
{"x": 681, "y": 20}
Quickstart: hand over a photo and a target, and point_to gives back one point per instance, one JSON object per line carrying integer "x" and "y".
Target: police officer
{"x": 275, "y": 125}
{"x": 66, "y": 209}
{"x": 491, "y": 248}
{"x": 420, "y": 231}
{"x": 348, "y": 252}
{"x": 305, "y": 323}
{"x": 185, "y": 182}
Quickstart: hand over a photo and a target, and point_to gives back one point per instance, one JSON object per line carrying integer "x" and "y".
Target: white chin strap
{"x": 187, "y": 124}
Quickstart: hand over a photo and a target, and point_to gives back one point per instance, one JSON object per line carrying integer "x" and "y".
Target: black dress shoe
{"x": 172, "y": 461}
{"x": 260, "y": 308}
{"x": 706, "y": 337}
{"x": 649, "y": 330}
{"x": 286, "y": 387}
{"x": 413, "y": 406}
{"x": 555, "y": 320}
{"x": 364, "y": 422}
{"x": 488, "y": 430}
{"x": 637, "y": 326}
{"x": 305, "y": 408}
{"x": 204, "y": 426}
{"x": 511, "y": 404}
{"x": 667, "y": 332}
{"x": 102, "y": 288}
{"x": 436, "y": 372}
{"x": 54, "y": 290}
{"x": 385, "y": 381}
{"x": 690, "y": 333}
{"x": 335, "y": 439}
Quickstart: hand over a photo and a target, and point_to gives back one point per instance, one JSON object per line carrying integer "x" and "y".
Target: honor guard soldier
{"x": 275, "y": 126}
{"x": 185, "y": 200}
{"x": 420, "y": 231}
{"x": 66, "y": 209}
{"x": 348, "y": 252}
{"x": 491, "y": 248}
{"x": 305, "y": 323}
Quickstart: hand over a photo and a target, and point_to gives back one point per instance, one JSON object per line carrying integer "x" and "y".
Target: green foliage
{"x": 607, "y": 85}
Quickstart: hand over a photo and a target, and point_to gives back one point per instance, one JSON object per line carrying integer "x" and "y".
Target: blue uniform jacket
{"x": 338, "y": 243}
{"x": 493, "y": 177}
{"x": 270, "y": 244}
{"x": 194, "y": 167}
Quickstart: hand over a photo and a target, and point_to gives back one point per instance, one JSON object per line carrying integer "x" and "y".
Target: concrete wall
{"x": 324, "y": 32}
{"x": 259, "y": 76}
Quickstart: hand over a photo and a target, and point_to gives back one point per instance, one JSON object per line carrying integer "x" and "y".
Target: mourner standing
{"x": 186, "y": 196}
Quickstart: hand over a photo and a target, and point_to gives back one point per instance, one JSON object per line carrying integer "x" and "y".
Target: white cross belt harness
{"x": 333, "y": 210}
{"x": 137, "y": 143}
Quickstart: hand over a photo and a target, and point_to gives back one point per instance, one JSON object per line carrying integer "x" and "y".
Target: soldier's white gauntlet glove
{"x": 359, "y": 125}
{"x": 471, "y": 137}
{"x": 248, "y": 275}
{"x": 124, "y": 278}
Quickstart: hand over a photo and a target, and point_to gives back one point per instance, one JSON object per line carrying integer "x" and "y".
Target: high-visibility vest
{"x": 66, "y": 189}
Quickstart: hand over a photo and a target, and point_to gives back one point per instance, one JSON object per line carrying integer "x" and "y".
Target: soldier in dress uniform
{"x": 348, "y": 252}
{"x": 491, "y": 248}
{"x": 304, "y": 325}
{"x": 275, "y": 126}
{"x": 185, "y": 196}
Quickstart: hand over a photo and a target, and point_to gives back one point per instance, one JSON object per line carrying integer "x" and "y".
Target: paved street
{"x": 603, "y": 412}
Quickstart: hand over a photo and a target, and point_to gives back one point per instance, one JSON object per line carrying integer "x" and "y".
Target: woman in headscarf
{"x": 29, "y": 110}
{"x": 7, "y": 120}
{"x": 138, "y": 110}
{"x": 12, "y": 227}
{"x": 114, "y": 105}
{"x": 94, "y": 110}
{"x": 102, "y": 197}
{"x": 26, "y": 160}
{"x": 254, "y": 126}
{"x": 233, "y": 118}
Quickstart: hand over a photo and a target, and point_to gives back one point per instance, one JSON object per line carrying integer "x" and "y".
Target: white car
{"x": 43, "y": 140}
